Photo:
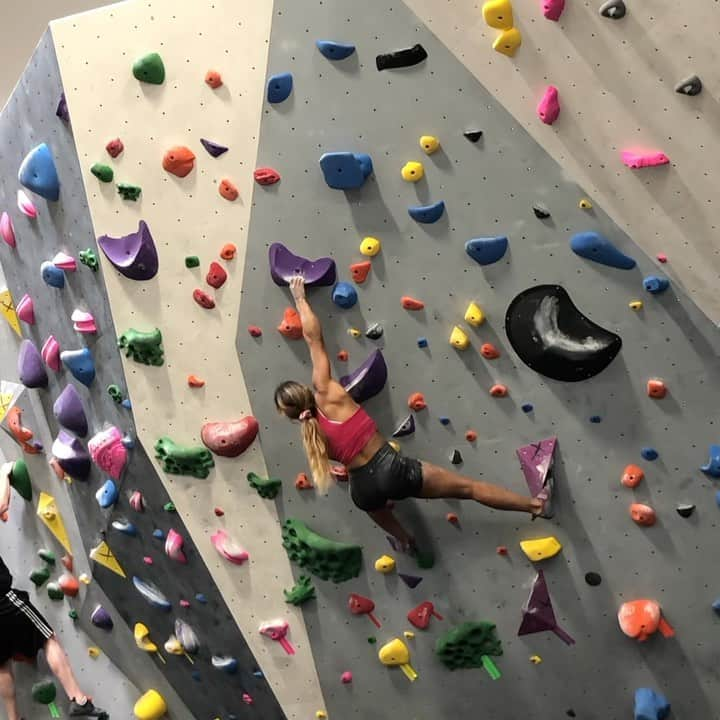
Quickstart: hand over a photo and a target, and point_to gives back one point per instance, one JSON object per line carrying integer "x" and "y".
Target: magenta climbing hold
{"x": 133, "y": 255}
{"x": 26, "y": 205}
{"x": 108, "y": 452}
{"x": 213, "y": 148}
{"x": 368, "y": 380}
{"x": 230, "y": 550}
{"x": 30, "y": 366}
{"x": 65, "y": 262}
{"x": 69, "y": 411}
{"x": 50, "y": 353}
{"x": 548, "y": 108}
{"x": 71, "y": 456}
{"x": 637, "y": 160}
{"x": 346, "y": 678}
{"x": 284, "y": 265}
{"x": 230, "y": 439}
{"x": 536, "y": 463}
{"x": 83, "y": 322}
{"x": 538, "y": 614}
{"x": 7, "y": 231}
{"x": 174, "y": 542}
{"x": 552, "y": 9}
{"x": 277, "y": 630}
{"x": 25, "y": 309}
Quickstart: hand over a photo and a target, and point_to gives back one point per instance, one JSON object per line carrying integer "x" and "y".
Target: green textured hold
{"x": 192, "y": 261}
{"x": 73, "y": 614}
{"x": 192, "y": 460}
{"x": 44, "y": 692}
{"x": 47, "y": 555}
{"x": 465, "y": 645}
{"x": 372, "y": 640}
{"x": 301, "y": 591}
{"x": 39, "y": 576}
{"x": 89, "y": 258}
{"x": 169, "y": 507}
{"x": 129, "y": 192}
{"x": 20, "y": 480}
{"x": 115, "y": 393}
{"x": 102, "y": 172}
{"x": 143, "y": 347}
{"x": 54, "y": 592}
{"x": 266, "y": 487}
{"x": 425, "y": 559}
{"x": 150, "y": 69}
{"x": 328, "y": 559}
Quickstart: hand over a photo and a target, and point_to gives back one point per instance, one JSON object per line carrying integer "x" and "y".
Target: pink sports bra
{"x": 347, "y": 438}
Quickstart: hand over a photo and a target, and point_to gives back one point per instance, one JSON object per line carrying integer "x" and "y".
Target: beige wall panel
{"x": 616, "y": 82}
{"x": 188, "y": 217}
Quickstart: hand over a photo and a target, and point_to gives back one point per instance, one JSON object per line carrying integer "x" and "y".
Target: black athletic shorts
{"x": 387, "y": 476}
{"x": 23, "y": 630}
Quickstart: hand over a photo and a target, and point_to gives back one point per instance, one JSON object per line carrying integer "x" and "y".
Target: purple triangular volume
{"x": 536, "y": 460}
{"x": 69, "y": 411}
{"x": 368, "y": 380}
{"x": 72, "y": 457}
{"x": 412, "y": 581}
{"x": 538, "y": 613}
{"x": 284, "y": 265}
{"x": 213, "y": 148}
{"x": 31, "y": 369}
{"x": 133, "y": 255}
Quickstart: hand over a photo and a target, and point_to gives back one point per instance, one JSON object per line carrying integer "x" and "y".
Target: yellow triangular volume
{"x": 103, "y": 555}
{"x": 47, "y": 511}
{"x": 7, "y": 308}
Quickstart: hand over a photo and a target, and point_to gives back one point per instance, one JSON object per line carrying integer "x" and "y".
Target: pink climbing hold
{"x": 174, "y": 546}
{"x": 7, "y": 231}
{"x": 83, "y": 322}
{"x": 108, "y": 452}
{"x": 247, "y": 699}
{"x": 65, "y": 262}
{"x": 255, "y": 331}
{"x": 552, "y": 9}
{"x": 662, "y": 257}
{"x": 637, "y": 160}
{"x": 346, "y": 678}
{"x": 277, "y": 630}
{"x": 147, "y": 560}
{"x": 185, "y": 603}
{"x": 50, "y": 353}
{"x": 230, "y": 439}
{"x": 548, "y": 108}
{"x": 137, "y": 501}
{"x": 25, "y": 205}
{"x": 227, "y": 548}
{"x": 26, "y": 310}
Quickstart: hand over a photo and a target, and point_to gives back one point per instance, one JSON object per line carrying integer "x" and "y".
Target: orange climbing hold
{"x": 360, "y": 271}
{"x": 452, "y": 518}
{"x": 228, "y": 251}
{"x": 302, "y": 482}
{"x": 499, "y": 390}
{"x": 22, "y": 434}
{"x": 489, "y": 351}
{"x": 643, "y": 514}
{"x": 632, "y": 476}
{"x": 203, "y": 299}
{"x": 195, "y": 382}
{"x": 656, "y": 389}
{"x": 213, "y": 79}
{"x": 343, "y": 355}
{"x": 470, "y": 435}
{"x": 291, "y": 327}
{"x": 417, "y": 402}
{"x": 255, "y": 331}
{"x": 411, "y": 303}
{"x": 639, "y": 619}
{"x": 228, "y": 190}
{"x": 179, "y": 160}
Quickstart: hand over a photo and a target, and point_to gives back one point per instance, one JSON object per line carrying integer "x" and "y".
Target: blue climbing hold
{"x": 487, "y": 250}
{"x": 716, "y": 605}
{"x": 444, "y": 420}
{"x": 649, "y": 453}
{"x": 128, "y": 441}
{"x": 107, "y": 495}
{"x": 422, "y": 342}
{"x": 52, "y": 275}
{"x": 80, "y": 363}
{"x": 126, "y": 404}
{"x": 427, "y": 213}
{"x": 656, "y": 284}
{"x": 527, "y": 407}
{"x": 258, "y": 674}
{"x": 344, "y": 295}
{"x": 345, "y": 170}
{"x": 39, "y": 174}
{"x": 279, "y": 87}
{"x": 158, "y": 534}
{"x": 596, "y": 247}
{"x": 195, "y": 674}
{"x": 595, "y": 419}
{"x": 201, "y": 598}
{"x": 712, "y": 468}
{"x": 650, "y": 705}
{"x": 125, "y": 527}
{"x": 334, "y": 50}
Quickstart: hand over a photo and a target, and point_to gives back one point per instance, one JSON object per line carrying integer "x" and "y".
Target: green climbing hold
{"x": 44, "y": 692}
{"x": 177, "y": 459}
{"x": 47, "y": 555}
{"x": 192, "y": 261}
{"x": 39, "y": 576}
{"x": 102, "y": 172}
{"x": 266, "y": 487}
{"x": 150, "y": 69}
{"x": 129, "y": 192}
{"x": 425, "y": 559}
{"x": 20, "y": 480}
{"x": 143, "y": 347}
{"x": 465, "y": 646}
{"x": 328, "y": 559}
{"x": 169, "y": 507}
{"x": 73, "y": 614}
{"x": 301, "y": 591}
{"x": 89, "y": 258}
{"x": 115, "y": 393}
{"x": 372, "y": 640}
{"x": 54, "y": 591}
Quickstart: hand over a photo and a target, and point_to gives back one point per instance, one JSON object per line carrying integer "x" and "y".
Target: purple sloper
{"x": 213, "y": 148}
{"x": 538, "y": 613}
{"x": 536, "y": 461}
{"x": 72, "y": 457}
{"x": 134, "y": 255}
{"x": 62, "y": 109}
{"x": 368, "y": 380}
{"x": 31, "y": 369}
{"x": 69, "y": 411}
{"x": 284, "y": 265}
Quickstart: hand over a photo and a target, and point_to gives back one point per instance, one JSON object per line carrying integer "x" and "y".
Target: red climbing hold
{"x": 632, "y": 476}
{"x": 213, "y": 79}
{"x": 179, "y": 160}
{"x": 227, "y": 252}
{"x": 203, "y": 299}
{"x": 411, "y": 303}
{"x": 343, "y": 355}
{"x": 303, "y": 482}
{"x": 470, "y": 435}
{"x": 254, "y": 331}
{"x": 194, "y": 381}
{"x": 230, "y": 439}
{"x": 421, "y": 615}
{"x": 228, "y": 190}
{"x": 452, "y": 518}
{"x": 662, "y": 257}
{"x": 266, "y": 176}
{"x": 643, "y": 514}
{"x": 656, "y": 389}
{"x": 360, "y": 271}
{"x": 501, "y": 550}
{"x": 417, "y": 402}
{"x": 115, "y": 147}
{"x": 219, "y": 512}
{"x": 489, "y": 351}
{"x": 360, "y": 605}
{"x": 291, "y": 327}
{"x": 498, "y": 390}
{"x": 216, "y": 276}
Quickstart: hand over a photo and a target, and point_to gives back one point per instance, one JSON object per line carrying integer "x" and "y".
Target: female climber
{"x": 335, "y": 426}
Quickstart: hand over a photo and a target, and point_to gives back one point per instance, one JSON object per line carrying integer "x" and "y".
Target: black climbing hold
{"x": 374, "y": 332}
{"x": 527, "y": 407}
{"x": 595, "y": 419}
{"x": 613, "y": 9}
{"x": 541, "y": 211}
{"x": 689, "y": 86}
{"x": 685, "y": 510}
{"x": 401, "y": 58}
{"x": 412, "y": 581}
{"x": 593, "y": 579}
{"x": 571, "y": 713}
{"x": 473, "y": 135}
{"x": 456, "y": 457}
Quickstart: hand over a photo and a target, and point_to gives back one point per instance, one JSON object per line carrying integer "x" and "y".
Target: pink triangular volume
{"x": 538, "y": 613}
{"x": 536, "y": 461}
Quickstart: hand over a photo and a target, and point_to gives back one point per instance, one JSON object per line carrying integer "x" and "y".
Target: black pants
{"x": 23, "y": 629}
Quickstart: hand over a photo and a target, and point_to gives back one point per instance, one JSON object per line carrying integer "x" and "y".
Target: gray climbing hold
{"x": 613, "y": 9}
{"x": 541, "y": 211}
{"x": 689, "y": 86}
{"x": 374, "y": 332}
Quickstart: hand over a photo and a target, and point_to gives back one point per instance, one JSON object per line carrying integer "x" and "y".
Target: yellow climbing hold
{"x": 394, "y": 445}
{"x": 535, "y": 659}
{"x": 474, "y": 315}
{"x": 409, "y": 634}
{"x": 429, "y": 144}
{"x": 354, "y": 332}
{"x": 412, "y": 171}
{"x": 321, "y": 715}
{"x": 541, "y": 549}
{"x": 150, "y": 706}
{"x": 94, "y": 651}
{"x": 498, "y": 14}
{"x": 370, "y": 246}
{"x": 84, "y": 578}
{"x": 508, "y": 41}
{"x": 103, "y": 555}
{"x": 385, "y": 564}
{"x": 7, "y": 308}
{"x": 585, "y": 204}
{"x": 48, "y": 512}
{"x": 396, "y": 653}
{"x": 459, "y": 338}
{"x": 636, "y": 304}
{"x": 143, "y": 641}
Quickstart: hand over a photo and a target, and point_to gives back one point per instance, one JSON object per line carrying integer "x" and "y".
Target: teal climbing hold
{"x": 80, "y": 363}
{"x": 39, "y": 174}
{"x": 334, "y": 50}
{"x": 344, "y": 295}
{"x": 345, "y": 170}
{"x": 279, "y": 87}
{"x": 656, "y": 284}
{"x": 487, "y": 250}
{"x": 427, "y": 214}
{"x": 596, "y": 247}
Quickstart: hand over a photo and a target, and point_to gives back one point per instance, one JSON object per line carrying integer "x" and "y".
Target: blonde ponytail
{"x": 317, "y": 454}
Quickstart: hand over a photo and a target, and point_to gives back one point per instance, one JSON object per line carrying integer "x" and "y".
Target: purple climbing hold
{"x": 101, "y": 618}
{"x": 368, "y": 380}
{"x": 536, "y": 461}
{"x": 538, "y": 614}
{"x": 285, "y": 264}
{"x": 69, "y": 411}
{"x": 72, "y": 457}
{"x": 213, "y": 148}
{"x": 133, "y": 255}
{"x": 412, "y": 581}
{"x": 62, "y": 109}
{"x": 31, "y": 369}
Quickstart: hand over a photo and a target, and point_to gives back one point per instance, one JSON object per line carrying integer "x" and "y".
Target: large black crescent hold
{"x": 551, "y": 336}
{"x": 406, "y": 57}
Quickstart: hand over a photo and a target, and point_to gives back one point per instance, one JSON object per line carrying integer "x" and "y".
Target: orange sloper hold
{"x": 359, "y": 271}
{"x": 213, "y": 79}
{"x": 228, "y": 190}
{"x": 228, "y": 251}
{"x": 417, "y": 402}
{"x": 195, "y": 382}
{"x": 632, "y": 476}
{"x": 656, "y": 389}
{"x": 498, "y": 390}
{"x": 303, "y": 482}
{"x": 411, "y": 303}
{"x": 291, "y": 327}
{"x": 643, "y": 514}
{"x": 489, "y": 351}
{"x": 179, "y": 160}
